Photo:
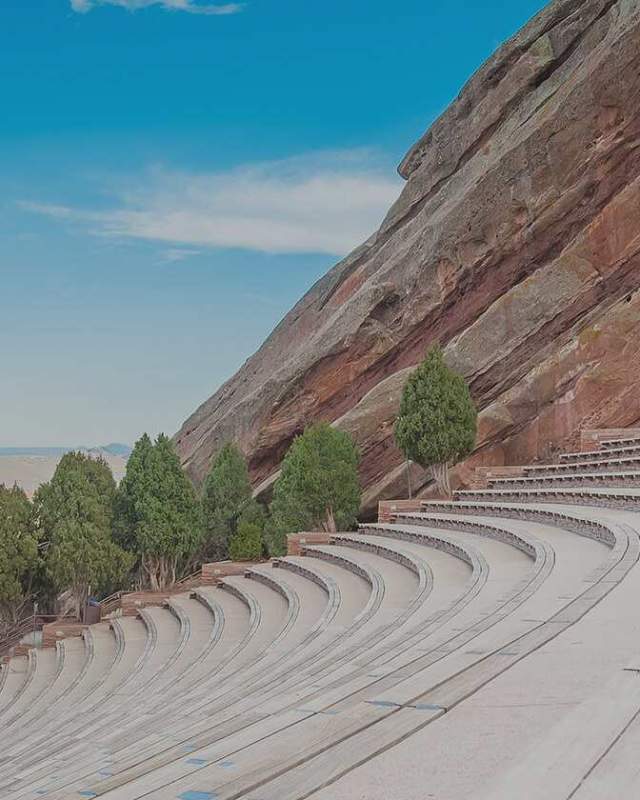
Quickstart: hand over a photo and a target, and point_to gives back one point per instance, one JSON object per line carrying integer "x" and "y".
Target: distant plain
{"x": 29, "y": 471}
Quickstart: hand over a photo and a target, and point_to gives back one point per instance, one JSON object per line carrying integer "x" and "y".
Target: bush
{"x": 246, "y": 543}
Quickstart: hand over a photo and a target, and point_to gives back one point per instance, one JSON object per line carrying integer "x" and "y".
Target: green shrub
{"x": 246, "y": 543}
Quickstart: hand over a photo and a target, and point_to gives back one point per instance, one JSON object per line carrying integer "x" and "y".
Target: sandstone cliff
{"x": 515, "y": 243}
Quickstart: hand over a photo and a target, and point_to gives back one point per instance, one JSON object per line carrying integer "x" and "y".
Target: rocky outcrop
{"x": 515, "y": 244}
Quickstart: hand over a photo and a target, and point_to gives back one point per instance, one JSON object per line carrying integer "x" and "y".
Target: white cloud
{"x": 326, "y": 203}
{"x": 174, "y": 254}
{"x": 190, "y": 6}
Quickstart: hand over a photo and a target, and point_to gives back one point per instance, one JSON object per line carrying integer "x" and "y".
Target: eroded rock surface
{"x": 515, "y": 243}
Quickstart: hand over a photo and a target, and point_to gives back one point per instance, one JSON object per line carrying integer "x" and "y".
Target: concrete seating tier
{"x": 618, "y": 478}
{"x": 483, "y": 647}
{"x": 630, "y": 441}
{"x": 601, "y": 464}
{"x": 615, "y": 451}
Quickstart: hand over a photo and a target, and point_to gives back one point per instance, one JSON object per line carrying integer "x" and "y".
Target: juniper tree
{"x": 246, "y": 542}
{"x": 164, "y": 514}
{"x": 74, "y": 512}
{"x": 436, "y": 426}
{"x": 133, "y": 488}
{"x": 318, "y": 487}
{"x": 226, "y": 495}
{"x": 18, "y": 553}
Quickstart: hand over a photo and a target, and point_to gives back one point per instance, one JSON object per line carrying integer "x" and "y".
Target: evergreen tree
{"x": 318, "y": 485}
{"x": 275, "y": 538}
{"x": 74, "y": 512}
{"x": 164, "y": 511}
{"x": 246, "y": 542}
{"x": 226, "y": 495}
{"x": 55, "y": 500}
{"x": 18, "y": 554}
{"x": 133, "y": 488}
{"x": 436, "y": 426}
{"x": 83, "y": 558}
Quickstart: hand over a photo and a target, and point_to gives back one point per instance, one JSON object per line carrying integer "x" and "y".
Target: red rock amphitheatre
{"x": 485, "y": 647}
{"x": 514, "y": 244}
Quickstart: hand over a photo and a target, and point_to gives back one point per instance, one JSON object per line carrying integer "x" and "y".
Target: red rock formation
{"x": 515, "y": 243}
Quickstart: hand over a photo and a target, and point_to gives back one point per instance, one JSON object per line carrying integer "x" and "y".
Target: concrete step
{"x": 613, "y": 464}
{"x": 618, "y": 479}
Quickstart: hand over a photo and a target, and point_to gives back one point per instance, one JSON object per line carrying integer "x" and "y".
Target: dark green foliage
{"x": 78, "y": 481}
{"x": 254, "y": 513}
{"x": 83, "y": 558}
{"x": 157, "y": 513}
{"x": 133, "y": 488}
{"x": 226, "y": 496}
{"x": 318, "y": 487}
{"x": 246, "y": 542}
{"x": 18, "y": 553}
{"x": 436, "y": 426}
{"x": 275, "y": 539}
{"x": 74, "y": 513}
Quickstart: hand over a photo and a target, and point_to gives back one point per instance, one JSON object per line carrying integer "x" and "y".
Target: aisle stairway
{"x": 481, "y": 647}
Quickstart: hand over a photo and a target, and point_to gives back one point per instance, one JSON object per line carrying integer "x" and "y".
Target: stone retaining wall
{"x": 297, "y": 541}
{"x": 387, "y": 509}
{"x": 212, "y": 573}
{"x": 55, "y": 631}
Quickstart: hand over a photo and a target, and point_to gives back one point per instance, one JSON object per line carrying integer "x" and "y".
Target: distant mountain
{"x": 113, "y": 449}
{"x": 117, "y": 449}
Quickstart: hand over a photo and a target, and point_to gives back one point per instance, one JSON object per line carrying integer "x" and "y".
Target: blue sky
{"x": 174, "y": 175}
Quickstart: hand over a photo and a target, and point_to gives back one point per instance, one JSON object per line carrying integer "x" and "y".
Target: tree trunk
{"x": 162, "y": 574}
{"x": 150, "y": 566}
{"x": 174, "y": 564}
{"x": 441, "y": 475}
{"x": 329, "y": 523}
{"x": 81, "y": 598}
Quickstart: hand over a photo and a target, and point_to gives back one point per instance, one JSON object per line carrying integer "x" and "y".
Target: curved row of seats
{"x": 436, "y": 654}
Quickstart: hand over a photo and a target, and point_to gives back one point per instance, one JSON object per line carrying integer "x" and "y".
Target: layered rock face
{"x": 515, "y": 244}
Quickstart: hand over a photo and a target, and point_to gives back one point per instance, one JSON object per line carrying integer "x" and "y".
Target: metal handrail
{"x": 190, "y": 579}
{"x": 30, "y": 624}
{"x": 114, "y": 601}
{"x": 110, "y": 603}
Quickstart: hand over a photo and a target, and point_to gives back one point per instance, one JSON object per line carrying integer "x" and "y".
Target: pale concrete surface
{"x": 449, "y": 664}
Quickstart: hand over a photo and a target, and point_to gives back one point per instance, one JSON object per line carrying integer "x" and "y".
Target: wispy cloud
{"x": 326, "y": 203}
{"x": 190, "y": 6}
{"x": 174, "y": 254}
